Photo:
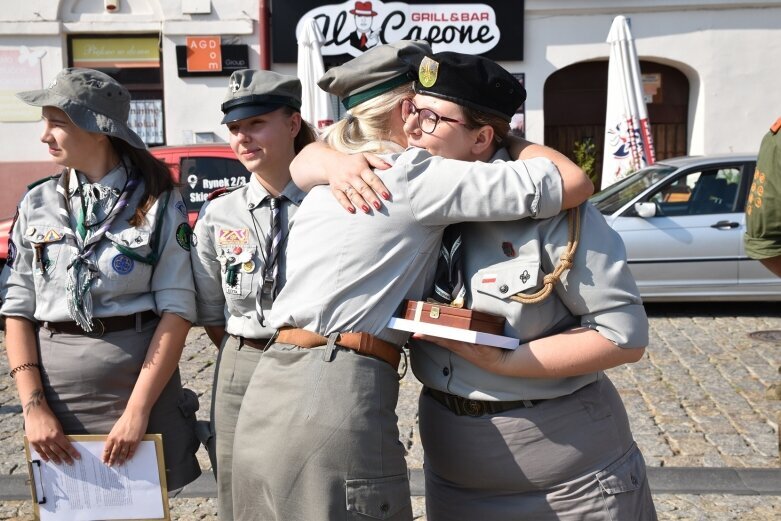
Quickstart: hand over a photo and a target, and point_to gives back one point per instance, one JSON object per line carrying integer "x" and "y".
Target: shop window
{"x": 135, "y": 62}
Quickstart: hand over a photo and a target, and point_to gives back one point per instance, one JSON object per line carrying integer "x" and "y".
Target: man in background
{"x": 763, "y": 209}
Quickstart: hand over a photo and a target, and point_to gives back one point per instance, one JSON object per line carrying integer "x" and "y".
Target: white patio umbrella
{"x": 315, "y": 103}
{"x": 628, "y": 142}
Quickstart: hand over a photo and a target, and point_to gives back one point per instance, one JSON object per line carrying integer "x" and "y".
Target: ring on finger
{"x": 349, "y": 191}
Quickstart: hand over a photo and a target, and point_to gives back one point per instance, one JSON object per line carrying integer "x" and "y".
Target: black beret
{"x": 471, "y": 81}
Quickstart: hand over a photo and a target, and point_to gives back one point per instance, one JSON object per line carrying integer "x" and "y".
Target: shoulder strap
{"x": 41, "y": 181}
{"x": 221, "y": 191}
{"x": 567, "y": 258}
{"x": 776, "y": 126}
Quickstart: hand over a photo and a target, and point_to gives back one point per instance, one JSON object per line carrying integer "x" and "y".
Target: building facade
{"x": 711, "y": 68}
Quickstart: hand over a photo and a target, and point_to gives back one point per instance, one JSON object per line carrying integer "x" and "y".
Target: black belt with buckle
{"x": 466, "y": 407}
{"x": 103, "y": 325}
{"x": 256, "y": 343}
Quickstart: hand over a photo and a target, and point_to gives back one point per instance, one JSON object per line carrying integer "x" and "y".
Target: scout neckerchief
{"x": 449, "y": 279}
{"x": 274, "y": 241}
{"x": 449, "y": 285}
{"x": 83, "y": 267}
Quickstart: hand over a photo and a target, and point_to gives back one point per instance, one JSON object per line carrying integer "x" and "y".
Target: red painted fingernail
{"x": 386, "y": 196}
{"x": 365, "y": 209}
{"x": 351, "y": 209}
{"x": 377, "y": 205}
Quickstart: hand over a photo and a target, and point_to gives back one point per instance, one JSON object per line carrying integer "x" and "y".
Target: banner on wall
{"x": 101, "y": 53}
{"x": 350, "y": 28}
{"x": 20, "y": 69}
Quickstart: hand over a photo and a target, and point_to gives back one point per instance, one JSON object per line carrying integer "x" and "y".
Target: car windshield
{"x": 615, "y": 196}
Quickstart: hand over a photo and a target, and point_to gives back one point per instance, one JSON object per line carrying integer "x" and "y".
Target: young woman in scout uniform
{"x": 539, "y": 432}
{"x": 239, "y": 242}
{"x": 98, "y": 296}
{"x": 323, "y": 395}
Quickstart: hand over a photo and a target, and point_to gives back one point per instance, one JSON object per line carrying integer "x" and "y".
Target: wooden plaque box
{"x": 461, "y": 318}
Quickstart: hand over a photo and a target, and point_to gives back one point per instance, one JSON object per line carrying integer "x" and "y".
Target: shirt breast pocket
{"x": 49, "y": 246}
{"x": 242, "y": 271}
{"x": 126, "y": 262}
{"x": 503, "y": 280}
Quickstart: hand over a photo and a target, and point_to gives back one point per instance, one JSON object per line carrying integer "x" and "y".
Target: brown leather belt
{"x": 466, "y": 407}
{"x": 257, "y": 343}
{"x": 103, "y": 325}
{"x": 363, "y": 343}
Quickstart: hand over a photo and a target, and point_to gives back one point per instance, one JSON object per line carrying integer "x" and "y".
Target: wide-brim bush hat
{"x": 93, "y": 100}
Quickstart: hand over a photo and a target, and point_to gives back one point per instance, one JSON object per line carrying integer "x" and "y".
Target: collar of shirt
{"x": 256, "y": 193}
{"x": 115, "y": 179}
{"x": 501, "y": 155}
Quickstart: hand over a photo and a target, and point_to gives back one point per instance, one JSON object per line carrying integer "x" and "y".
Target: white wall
{"x": 731, "y": 56}
{"x": 191, "y": 104}
{"x": 729, "y": 50}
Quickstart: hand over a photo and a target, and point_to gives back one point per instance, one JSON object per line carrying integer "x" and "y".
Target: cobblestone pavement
{"x": 697, "y": 399}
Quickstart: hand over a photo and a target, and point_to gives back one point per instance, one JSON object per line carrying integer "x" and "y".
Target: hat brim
{"x": 461, "y": 101}
{"x": 83, "y": 117}
{"x": 248, "y": 111}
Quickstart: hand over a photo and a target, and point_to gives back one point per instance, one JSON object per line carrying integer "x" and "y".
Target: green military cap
{"x": 375, "y": 72}
{"x": 254, "y": 93}
{"x": 471, "y": 81}
{"x": 93, "y": 100}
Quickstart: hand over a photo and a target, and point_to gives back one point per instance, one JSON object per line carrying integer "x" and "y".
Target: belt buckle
{"x": 472, "y": 408}
{"x": 98, "y": 329}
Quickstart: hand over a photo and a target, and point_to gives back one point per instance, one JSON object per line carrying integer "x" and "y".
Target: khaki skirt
{"x": 88, "y": 381}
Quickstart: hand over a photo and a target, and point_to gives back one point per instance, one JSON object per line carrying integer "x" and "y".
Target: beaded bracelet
{"x": 23, "y": 367}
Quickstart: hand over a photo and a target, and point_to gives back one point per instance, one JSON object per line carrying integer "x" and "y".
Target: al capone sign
{"x": 350, "y": 28}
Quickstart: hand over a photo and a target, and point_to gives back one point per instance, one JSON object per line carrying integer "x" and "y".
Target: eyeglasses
{"x": 427, "y": 118}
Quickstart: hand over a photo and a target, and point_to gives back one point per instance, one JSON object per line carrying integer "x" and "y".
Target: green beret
{"x": 375, "y": 72}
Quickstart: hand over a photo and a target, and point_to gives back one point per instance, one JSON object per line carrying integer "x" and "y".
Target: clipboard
{"x": 46, "y": 494}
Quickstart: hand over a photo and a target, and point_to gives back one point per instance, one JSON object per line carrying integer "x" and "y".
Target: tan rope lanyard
{"x": 567, "y": 258}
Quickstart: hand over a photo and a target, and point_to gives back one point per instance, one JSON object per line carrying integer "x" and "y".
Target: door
{"x": 575, "y": 102}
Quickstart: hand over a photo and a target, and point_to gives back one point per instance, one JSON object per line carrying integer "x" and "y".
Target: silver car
{"x": 682, "y": 222}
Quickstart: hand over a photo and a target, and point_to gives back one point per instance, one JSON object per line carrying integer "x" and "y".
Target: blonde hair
{"x": 366, "y": 128}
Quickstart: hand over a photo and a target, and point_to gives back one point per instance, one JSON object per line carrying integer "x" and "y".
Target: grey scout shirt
{"x": 350, "y": 272}
{"x": 123, "y": 286}
{"x": 227, "y": 231}
{"x": 503, "y": 258}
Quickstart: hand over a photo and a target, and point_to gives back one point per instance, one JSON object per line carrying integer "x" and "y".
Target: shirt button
{"x": 503, "y": 288}
{"x": 445, "y": 371}
{"x": 633, "y": 479}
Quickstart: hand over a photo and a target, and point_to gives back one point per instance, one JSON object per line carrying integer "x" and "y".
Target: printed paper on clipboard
{"x": 453, "y": 333}
{"x": 90, "y": 490}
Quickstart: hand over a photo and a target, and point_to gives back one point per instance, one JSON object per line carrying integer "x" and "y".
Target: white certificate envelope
{"x": 453, "y": 333}
{"x": 90, "y": 490}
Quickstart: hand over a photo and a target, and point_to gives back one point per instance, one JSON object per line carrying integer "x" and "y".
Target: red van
{"x": 199, "y": 170}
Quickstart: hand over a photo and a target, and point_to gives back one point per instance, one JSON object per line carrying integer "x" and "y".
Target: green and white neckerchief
{"x": 83, "y": 267}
